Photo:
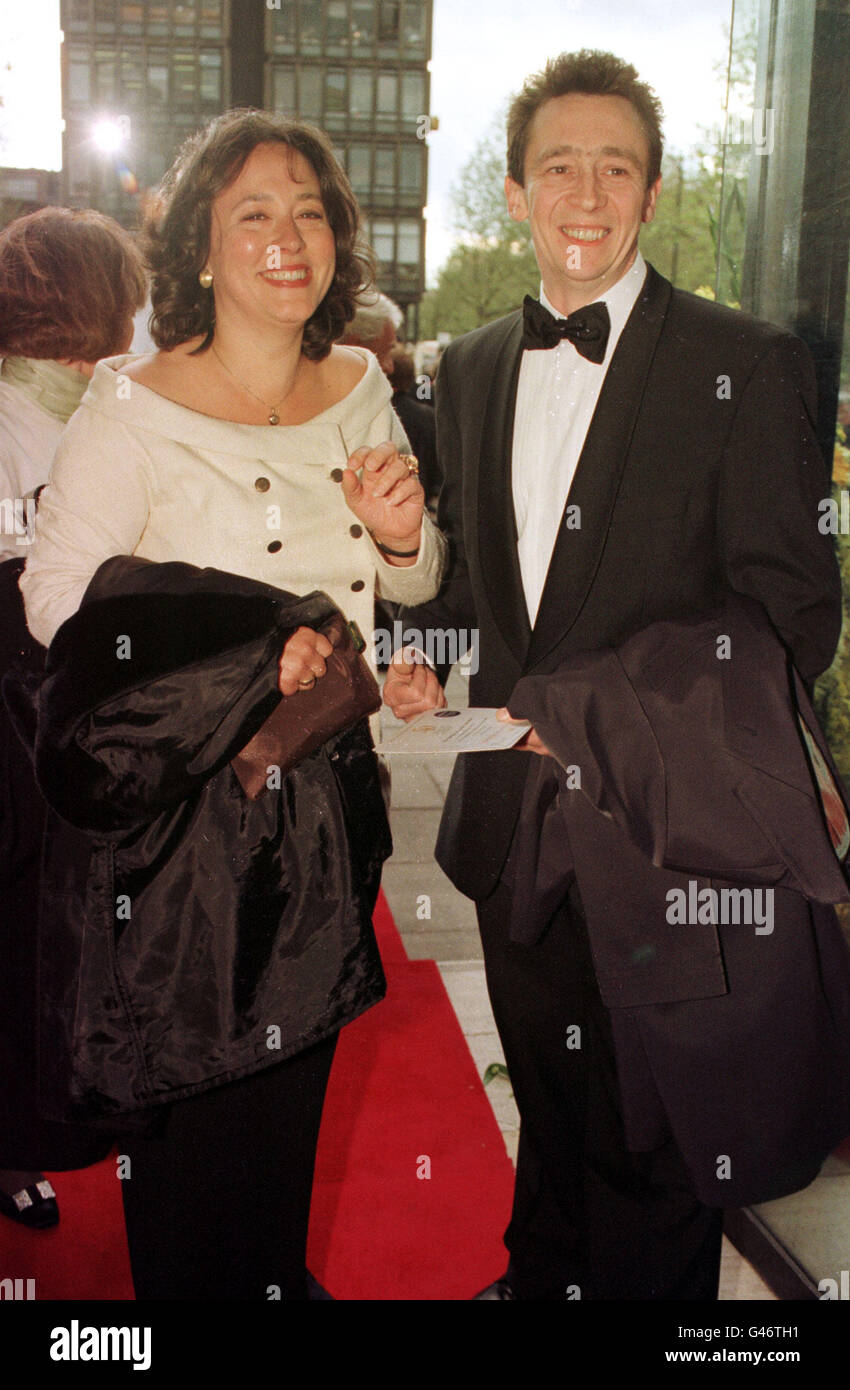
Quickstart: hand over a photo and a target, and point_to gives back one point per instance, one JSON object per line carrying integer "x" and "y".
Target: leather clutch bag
{"x": 301, "y": 723}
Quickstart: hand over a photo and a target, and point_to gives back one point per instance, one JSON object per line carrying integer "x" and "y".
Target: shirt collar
{"x": 620, "y": 299}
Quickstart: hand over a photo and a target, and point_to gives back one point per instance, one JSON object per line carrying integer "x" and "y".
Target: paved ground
{"x": 437, "y": 923}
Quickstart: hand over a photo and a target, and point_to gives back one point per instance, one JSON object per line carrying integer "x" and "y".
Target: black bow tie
{"x": 587, "y": 329}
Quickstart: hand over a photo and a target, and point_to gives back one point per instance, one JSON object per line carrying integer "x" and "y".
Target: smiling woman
{"x": 248, "y": 941}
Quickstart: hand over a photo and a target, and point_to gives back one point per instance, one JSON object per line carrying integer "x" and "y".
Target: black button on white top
{"x": 355, "y": 531}
{"x": 357, "y": 586}
{"x": 262, "y": 484}
{"x": 336, "y": 475}
{"x": 273, "y": 547}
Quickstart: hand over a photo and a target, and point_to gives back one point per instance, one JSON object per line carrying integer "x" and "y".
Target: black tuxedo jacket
{"x": 700, "y": 474}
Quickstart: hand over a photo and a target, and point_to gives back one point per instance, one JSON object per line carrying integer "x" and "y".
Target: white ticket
{"x": 452, "y": 731}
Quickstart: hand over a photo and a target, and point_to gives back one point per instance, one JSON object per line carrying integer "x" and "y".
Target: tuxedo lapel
{"x": 495, "y": 523}
{"x": 577, "y": 552}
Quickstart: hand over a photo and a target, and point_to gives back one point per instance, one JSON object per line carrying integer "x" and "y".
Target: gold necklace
{"x": 274, "y": 418}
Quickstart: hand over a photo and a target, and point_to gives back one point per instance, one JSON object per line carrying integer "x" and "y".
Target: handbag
{"x": 301, "y": 723}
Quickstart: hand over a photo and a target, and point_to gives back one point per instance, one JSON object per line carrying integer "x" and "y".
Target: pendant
{"x": 274, "y": 417}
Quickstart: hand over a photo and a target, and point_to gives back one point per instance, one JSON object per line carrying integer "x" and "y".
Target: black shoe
{"x": 34, "y": 1206}
{"x": 501, "y": 1291}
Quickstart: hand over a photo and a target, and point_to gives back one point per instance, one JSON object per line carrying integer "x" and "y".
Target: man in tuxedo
{"x": 618, "y": 454}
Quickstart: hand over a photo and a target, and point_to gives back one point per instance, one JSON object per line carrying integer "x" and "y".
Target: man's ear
{"x": 650, "y": 200}
{"x": 517, "y": 203}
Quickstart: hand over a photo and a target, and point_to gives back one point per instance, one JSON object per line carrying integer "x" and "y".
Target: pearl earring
{"x": 206, "y": 278}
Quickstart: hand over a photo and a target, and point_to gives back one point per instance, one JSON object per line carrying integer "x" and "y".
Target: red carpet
{"x": 404, "y": 1089}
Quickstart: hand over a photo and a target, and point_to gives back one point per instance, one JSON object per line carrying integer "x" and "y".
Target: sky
{"x": 481, "y": 54}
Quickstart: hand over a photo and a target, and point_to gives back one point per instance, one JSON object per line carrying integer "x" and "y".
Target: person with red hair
{"x": 70, "y": 283}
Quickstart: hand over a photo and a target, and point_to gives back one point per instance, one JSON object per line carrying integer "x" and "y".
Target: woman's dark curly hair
{"x": 176, "y": 235}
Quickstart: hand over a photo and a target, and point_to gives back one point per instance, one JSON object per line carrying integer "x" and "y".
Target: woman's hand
{"x": 386, "y": 497}
{"x": 302, "y": 661}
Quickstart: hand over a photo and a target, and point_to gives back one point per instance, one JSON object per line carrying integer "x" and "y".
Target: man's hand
{"x": 531, "y": 743}
{"x": 411, "y": 687}
{"x": 383, "y": 494}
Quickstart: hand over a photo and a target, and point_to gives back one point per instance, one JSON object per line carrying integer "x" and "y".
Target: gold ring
{"x": 307, "y": 685}
{"x": 412, "y": 463}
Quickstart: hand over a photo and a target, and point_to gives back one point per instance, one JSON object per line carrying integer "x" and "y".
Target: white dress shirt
{"x": 556, "y": 397}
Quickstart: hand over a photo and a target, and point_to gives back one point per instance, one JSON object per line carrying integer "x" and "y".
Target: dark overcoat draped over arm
{"x": 190, "y": 935}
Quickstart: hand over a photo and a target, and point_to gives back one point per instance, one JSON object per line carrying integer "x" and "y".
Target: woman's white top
{"x": 137, "y": 474}
{"x": 28, "y": 440}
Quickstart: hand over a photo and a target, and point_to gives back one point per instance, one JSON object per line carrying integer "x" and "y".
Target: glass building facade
{"x": 784, "y": 235}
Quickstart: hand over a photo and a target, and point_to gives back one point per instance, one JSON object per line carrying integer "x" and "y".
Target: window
{"x": 78, "y": 15}
{"x": 336, "y": 31}
{"x": 358, "y": 168}
{"x": 310, "y": 93}
{"x": 413, "y": 28}
{"x": 211, "y": 21}
{"x": 79, "y": 75}
{"x": 335, "y": 96}
{"x": 362, "y": 23}
{"x": 386, "y": 106}
{"x": 387, "y": 93}
{"x": 131, "y": 19}
{"x": 284, "y": 90}
{"x": 283, "y": 27}
{"x": 384, "y": 169}
{"x": 335, "y": 92}
{"x": 132, "y": 77}
{"x": 104, "y": 68}
{"x": 411, "y": 171}
{"x": 388, "y": 20}
{"x": 412, "y": 96}
{"x": 20, "y": 188}
{"x": 77, "y": 168}
{"x": 360, "y": 96}
{"x": 157, "y": 90}
{"x": 310, "y": 25}
{"x": 183, "y": 80}
{"x": 157, "y": 19}
{"x": 210, "y": 61}
{"x": 409, "y": 238}
{"x": 104, "y": 16}
{"x": 184, "y": 17}
{"x": 383, "y": 241}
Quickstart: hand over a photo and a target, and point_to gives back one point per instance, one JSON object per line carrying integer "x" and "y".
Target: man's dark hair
{"x": 589, "y": 73}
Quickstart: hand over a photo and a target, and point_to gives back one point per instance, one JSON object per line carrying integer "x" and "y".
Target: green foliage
{"x": 679, "y": 242}
{"x": 477, "y": 284}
